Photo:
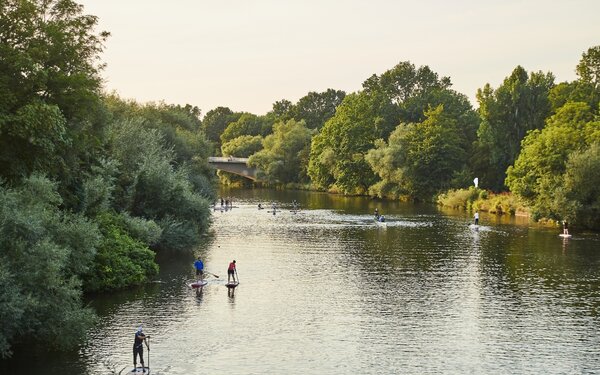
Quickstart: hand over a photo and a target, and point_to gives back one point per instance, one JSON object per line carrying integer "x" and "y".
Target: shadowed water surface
{"x": 326, "y": 290}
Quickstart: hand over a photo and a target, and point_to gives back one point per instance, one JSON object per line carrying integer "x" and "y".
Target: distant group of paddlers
{"x": 226, "y": 204}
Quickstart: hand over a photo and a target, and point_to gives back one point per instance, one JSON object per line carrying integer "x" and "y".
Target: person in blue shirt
{"x": 199, "y": 266}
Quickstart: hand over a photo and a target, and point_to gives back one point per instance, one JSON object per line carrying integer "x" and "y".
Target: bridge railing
{"x": 226, "y": 159}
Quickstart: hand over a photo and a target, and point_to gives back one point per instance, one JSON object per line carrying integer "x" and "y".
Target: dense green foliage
{"x": 215, "y": 122}
{"x": 519, "y": 105}
{"x": 420, "y": 159}
{"x": 538, "y": 175}
{"x": 337, "y": 156}
{"x": 284, "y": 156}
{"x": 44, "y": 251}
{"x": 315, "y": 108}
{"x": 92, "y": 185}
{"x": 247, "y": 124}
{"x": 243, "y": 146}
{"x": 120, "y": 260}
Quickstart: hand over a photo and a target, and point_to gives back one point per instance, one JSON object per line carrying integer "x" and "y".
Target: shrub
{"x": 121, "y": 260}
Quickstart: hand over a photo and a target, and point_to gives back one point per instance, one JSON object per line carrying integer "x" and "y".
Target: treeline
{"x": 408, "y": 135}
{"x": 91, "y": 186}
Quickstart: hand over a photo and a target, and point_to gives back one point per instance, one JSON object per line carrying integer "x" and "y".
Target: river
{"x": 326, "y": 290}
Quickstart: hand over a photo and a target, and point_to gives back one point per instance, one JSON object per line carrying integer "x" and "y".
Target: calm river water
{"x": 329, "y": 291}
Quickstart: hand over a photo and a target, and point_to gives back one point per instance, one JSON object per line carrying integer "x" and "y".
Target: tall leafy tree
{"x": 538, "y": 173}
{"x": 243, "y": 146}
{"x": 247, "y": 124}
{"x": 284, "y": 156}
{"x": 519, "y": 105}
{"x": 420, "y": 159}
{"x": 578, "y": 199}
{"x": 215, "y": 122}
{"x": 586, "y": 88}
{"x": 315, "y": 108}
{"x": 337, "y": 156}
{"x": 50, "y": 112}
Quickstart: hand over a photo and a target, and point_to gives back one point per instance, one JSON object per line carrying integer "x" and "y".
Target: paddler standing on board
{"x": 138, "y": 347}
{"x": 565, "y": 227}
{"x": 476, "y": 217}
{"x": 199, "y": 266}
{"x": 231, "y": 272}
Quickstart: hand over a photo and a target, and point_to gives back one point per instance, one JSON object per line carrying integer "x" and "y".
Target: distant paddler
{"x": 199, "y": 266}
{"x": 476, "y": 217}
{"x": 376, "y": 214}
{"x": 231, "y": 272}
{"x": 565, "y": 227}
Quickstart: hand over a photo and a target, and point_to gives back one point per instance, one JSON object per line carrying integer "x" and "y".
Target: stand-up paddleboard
{"x": 137, "y": 370}
{"x": 564, "y": 235}
{"x": 198, "y": 284}
{"x": 232, "y": 284}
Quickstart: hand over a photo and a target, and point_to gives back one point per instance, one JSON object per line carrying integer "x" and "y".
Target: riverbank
{"x": 475, "y": 199}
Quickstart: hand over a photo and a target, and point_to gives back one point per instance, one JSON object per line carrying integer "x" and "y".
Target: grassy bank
{"x": 475, "y": 199}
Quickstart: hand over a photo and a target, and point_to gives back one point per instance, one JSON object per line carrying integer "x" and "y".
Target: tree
{"x": 578, "y": 199}
{"x": 50, "y": 111}
{"x": 247, "y": 124}
{"x": 43, "y": 254}
{"x": 285, "y": 154}
{"x": 215, "y": 122}
{"x": 519, "y": 105}
{"x": 338, "y": 151}
{"x": 316, "y": 108}
{"x": 243, "y": 146}
{"x": 405, "y": 81}
{"x": 420, "y": 159}
{"x": 585, "y": 89}
{"x": 538, "y": 173}
{"x": 588, "y": 68}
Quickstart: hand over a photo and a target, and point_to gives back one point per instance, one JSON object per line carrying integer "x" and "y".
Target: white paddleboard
{"x": 564, "y": 235}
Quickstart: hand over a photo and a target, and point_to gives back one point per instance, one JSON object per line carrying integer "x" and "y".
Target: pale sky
{"x": 247, "y": 54}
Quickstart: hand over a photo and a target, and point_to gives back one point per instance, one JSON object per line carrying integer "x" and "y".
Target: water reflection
{"x": 329, "y": 291}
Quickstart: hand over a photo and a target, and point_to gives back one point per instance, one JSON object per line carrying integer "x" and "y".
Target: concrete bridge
{"x": 234, "y": 165}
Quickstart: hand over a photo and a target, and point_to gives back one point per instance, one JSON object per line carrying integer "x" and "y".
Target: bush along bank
{"x": 475, "y": 199}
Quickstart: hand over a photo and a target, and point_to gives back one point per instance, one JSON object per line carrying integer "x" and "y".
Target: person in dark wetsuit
{"x": 138, "y": 347}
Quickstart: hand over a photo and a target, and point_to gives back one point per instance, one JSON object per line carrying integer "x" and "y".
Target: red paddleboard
{"x": 198, "y": 284}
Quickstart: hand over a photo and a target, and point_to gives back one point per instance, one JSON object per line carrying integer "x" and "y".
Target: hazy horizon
{"x": 246, "y": 55}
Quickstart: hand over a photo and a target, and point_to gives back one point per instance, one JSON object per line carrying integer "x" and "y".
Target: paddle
{"x": 210, "y": 273}
{"x": 236, "y": 276}
{"x": 148, "y": 346}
